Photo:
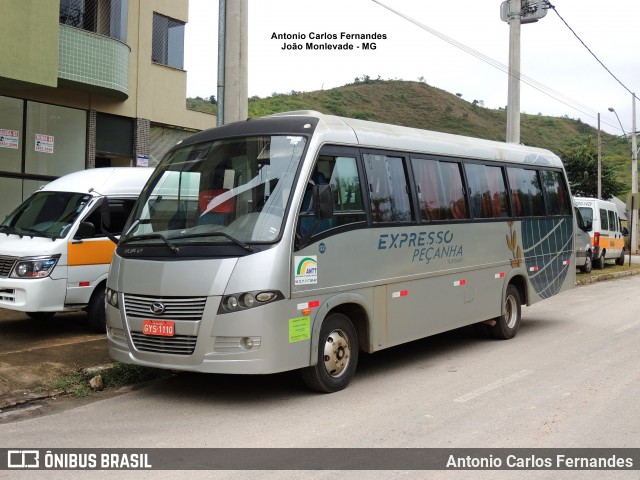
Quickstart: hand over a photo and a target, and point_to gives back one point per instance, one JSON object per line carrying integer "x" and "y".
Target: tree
{"x": 581, "y": 164}
{"x": 212, "y": 99}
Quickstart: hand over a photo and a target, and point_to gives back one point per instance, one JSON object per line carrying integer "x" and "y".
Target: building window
{"x": 168, "y": 41}
{"x": 105, "y": 17}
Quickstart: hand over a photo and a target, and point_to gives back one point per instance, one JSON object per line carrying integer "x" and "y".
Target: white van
{"x": 582, "y": 243}
{"x": 601, "y": 218}
{"x": 55, "y": 249}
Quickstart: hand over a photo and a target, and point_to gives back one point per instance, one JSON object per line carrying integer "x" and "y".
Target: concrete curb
{"x": 606, "y": 276}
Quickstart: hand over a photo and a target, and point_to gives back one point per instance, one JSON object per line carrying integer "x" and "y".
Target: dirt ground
{"x": 34, "y": 353}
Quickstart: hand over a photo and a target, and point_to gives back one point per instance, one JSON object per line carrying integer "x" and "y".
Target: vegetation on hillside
{"x": 419, "y": 105}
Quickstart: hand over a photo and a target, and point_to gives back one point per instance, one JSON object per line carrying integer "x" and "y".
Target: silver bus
{"x": 299, "y": 240}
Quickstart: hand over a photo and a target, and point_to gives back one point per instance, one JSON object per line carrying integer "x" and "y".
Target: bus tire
{"x": 620, "y": 259}
{"x": 599, "y": 263}
{"x": 96, "y": 311}
{"x": 337, "y": 356}
{"x": 508, "y": 324}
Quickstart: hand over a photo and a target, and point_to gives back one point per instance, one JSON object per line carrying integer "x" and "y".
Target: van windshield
{"x": 233, "y": 190}
{"x": 46, "y": 214}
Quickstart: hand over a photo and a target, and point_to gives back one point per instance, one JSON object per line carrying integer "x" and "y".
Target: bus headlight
{"x": 111, "y": 296}
{"x": 34, "y": 267}
{"x": 246, "y": 300}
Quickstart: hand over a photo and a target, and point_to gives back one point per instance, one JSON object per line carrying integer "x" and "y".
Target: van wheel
{"x": 620, "y": 259}
{"x": 588, "y": 264}
{"x": 40, "y": 316}
{"x": 508, "y": 324}
{"x": 96, "y": 311}
{"x": 599, "y": 263}
{"x": 337, "y": 356}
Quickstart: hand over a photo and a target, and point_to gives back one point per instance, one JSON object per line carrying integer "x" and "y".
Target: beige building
{"x": 89, "y": 83}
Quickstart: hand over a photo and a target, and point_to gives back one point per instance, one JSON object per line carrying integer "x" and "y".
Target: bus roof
{"x": 381, "y": 135}
{"x": 331, "y": 129}
{"x": 121, "y": 181}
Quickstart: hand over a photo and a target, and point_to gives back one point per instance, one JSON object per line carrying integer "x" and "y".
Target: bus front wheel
{"x": 337, "y": 356}
{"x": 508, "y": 323}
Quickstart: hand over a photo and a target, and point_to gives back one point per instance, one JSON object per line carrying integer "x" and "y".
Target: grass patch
{"x": 120, "y": 375}
{"x": 608, "y": 269}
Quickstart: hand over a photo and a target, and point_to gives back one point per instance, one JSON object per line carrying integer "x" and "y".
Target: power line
{"x": 588, "y": 49}
{"x": 504, "y": 68}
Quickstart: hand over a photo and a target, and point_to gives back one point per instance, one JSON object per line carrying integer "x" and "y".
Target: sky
{"x": 553, "y": 59}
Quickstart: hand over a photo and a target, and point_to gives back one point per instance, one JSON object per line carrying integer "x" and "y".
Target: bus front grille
{"x": 177, "y": 345}
{"x": 6, "y": 264}
{"x": 172, "y": 308}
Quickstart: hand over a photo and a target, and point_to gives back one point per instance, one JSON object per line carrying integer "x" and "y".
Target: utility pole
{"x": 516, "y": 13}
{"x": 599, "y": 160}
{"x": 633, "y": 241}
{"x": 233, "y": 100}
{"x": 513, "y": 96}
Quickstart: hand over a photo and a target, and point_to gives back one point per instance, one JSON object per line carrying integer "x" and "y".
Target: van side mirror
{"x": 588, "y": 225}
{"x": 85, "y": 230}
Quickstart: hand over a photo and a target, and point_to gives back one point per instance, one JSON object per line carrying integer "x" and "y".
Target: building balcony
{"x": 92, "y": 62}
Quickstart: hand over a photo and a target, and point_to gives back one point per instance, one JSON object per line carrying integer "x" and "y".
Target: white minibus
{"x": 54, "y": 249}
{"x": 312, "y": 238}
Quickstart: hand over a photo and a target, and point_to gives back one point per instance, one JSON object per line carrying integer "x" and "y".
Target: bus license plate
{"x": 162, "y": 328}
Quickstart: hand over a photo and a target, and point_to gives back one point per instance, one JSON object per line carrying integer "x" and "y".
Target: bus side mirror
{"x": 323, "y": 200}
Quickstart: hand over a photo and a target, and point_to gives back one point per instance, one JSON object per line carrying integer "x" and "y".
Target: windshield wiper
{"x": 37, "y": 233}
{"x": 148, "y": 236}
{"x": 246, "y": 246}
{"x": 9, "y": 230}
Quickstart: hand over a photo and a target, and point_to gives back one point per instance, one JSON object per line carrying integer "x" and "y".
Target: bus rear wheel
{"x": 508, "y": 324}
{"x": 337, "y": 356}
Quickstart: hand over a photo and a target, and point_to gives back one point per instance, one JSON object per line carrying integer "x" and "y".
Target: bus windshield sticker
{"x": 299, "y": 329}
{"x": 294, "y": 140}
{"x": 306, "y": 269}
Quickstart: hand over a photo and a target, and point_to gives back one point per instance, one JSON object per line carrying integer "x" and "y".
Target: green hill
{"x": 416, "y": 104}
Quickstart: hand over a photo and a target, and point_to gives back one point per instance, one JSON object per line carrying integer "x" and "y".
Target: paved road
{"x": 571, "y": 378}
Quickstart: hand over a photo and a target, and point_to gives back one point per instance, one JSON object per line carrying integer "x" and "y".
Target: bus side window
{"x": 488, "y": 191}
{"x": 440, "y": 190}
{"x": 388, "y": 190}
{"x": 526, "y": 194}
{"x": 341, "y": 173}
{"x": 558, "y": 201}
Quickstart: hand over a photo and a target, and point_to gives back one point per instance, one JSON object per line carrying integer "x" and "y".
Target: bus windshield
{"x": 232, "y": 190}
{"x": 46, "y": 214}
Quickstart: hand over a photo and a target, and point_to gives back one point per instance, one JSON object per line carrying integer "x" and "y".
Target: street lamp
{"x": 611, "y": 109}
{"x": 633, "y": 243}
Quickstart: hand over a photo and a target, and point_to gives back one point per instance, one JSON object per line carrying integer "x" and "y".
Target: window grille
{"x": 104, "y": 17}
{"x": 168, "y": 41}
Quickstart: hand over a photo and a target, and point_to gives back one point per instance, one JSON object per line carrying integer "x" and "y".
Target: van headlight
{"x": 34, "y": 267}
{"x": 245, "y": 300}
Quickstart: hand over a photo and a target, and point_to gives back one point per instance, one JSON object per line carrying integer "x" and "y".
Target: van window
{"x": 587, "y": 215}
{"x": 604, "y": 219}
{"x": 613, "y": 221}
{"x": 119, "y": 210}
